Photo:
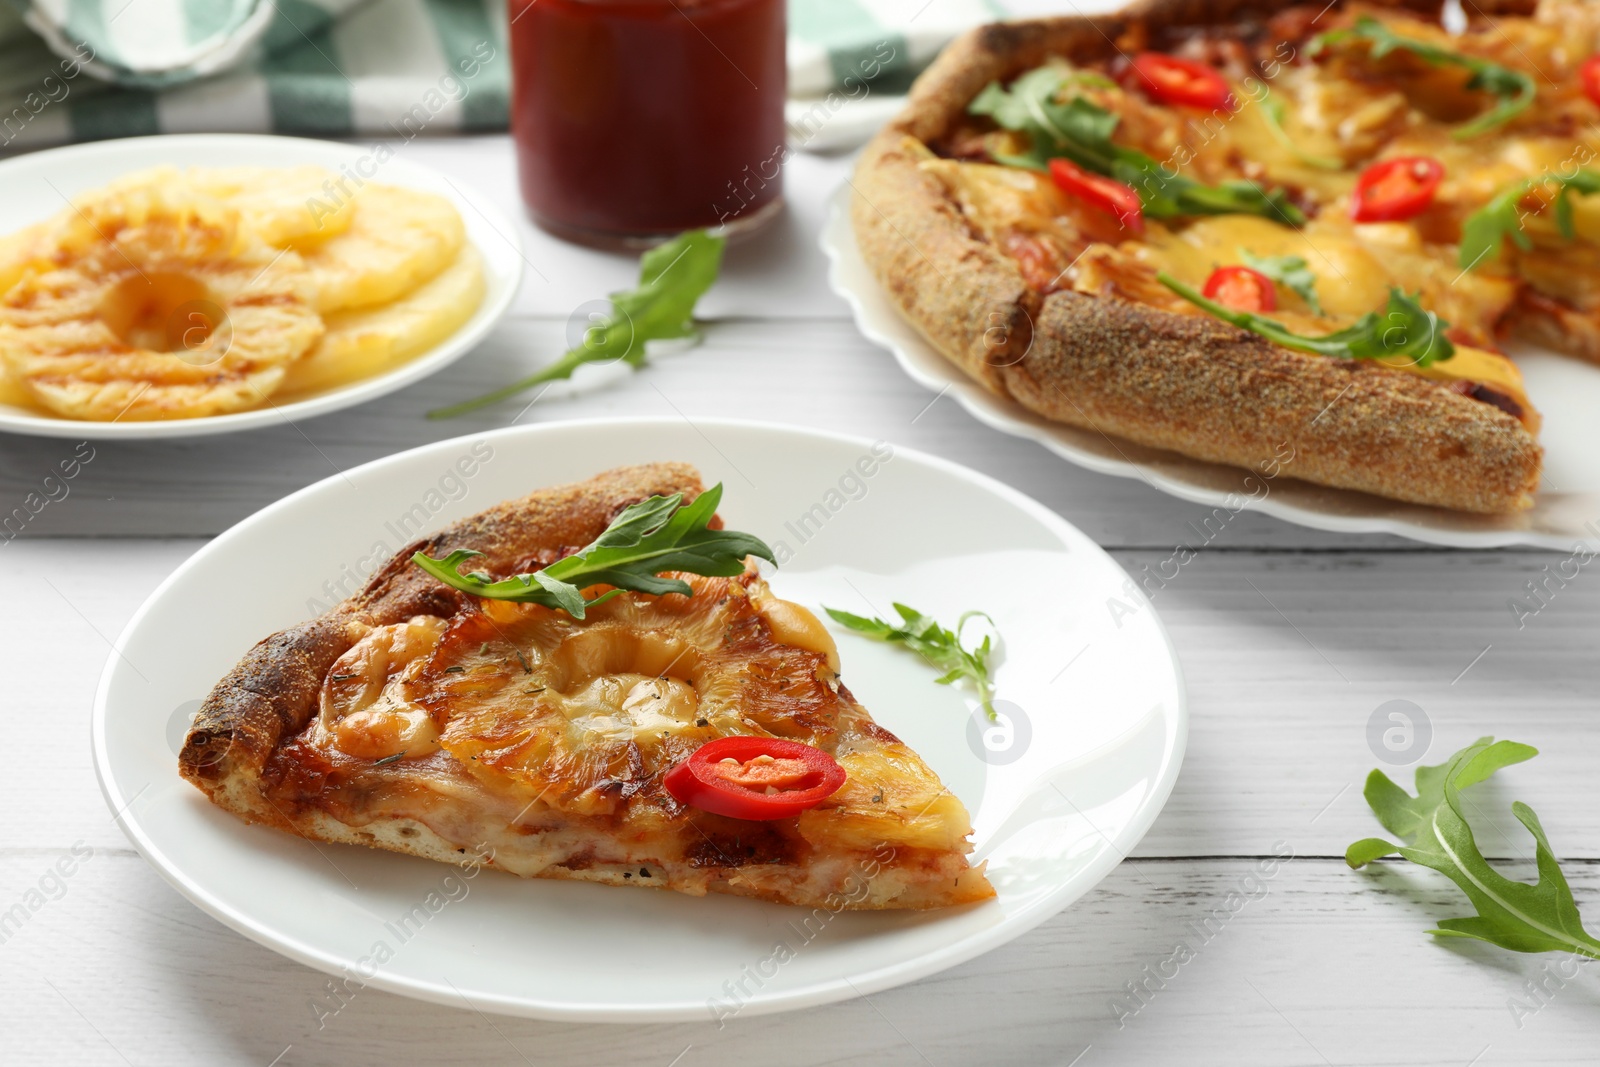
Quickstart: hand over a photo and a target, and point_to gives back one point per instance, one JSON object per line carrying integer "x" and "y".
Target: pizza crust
{"x": 1181, "y": 382}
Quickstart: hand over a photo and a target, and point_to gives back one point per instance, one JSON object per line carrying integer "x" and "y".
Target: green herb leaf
{"x": 939, "y": 647}
{"x": 1514, "y": 915}
{"x": 1485, "y": 230}
{"x": 1272, "y": 110}
{"x": 1290, "y": 272}
{"x": 672, "y": 279}
{"x": 1078, "y": 130}
{"x": 1081, "y": 130}
{"x": 1515, "y": 90}
{"x": 655, "y": 535}
{"x": 1405, "y": 329}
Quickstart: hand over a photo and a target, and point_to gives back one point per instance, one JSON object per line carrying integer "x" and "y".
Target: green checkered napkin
{"x": 389, "y": 68}
{"x": 838, "y": 44}
{"x": 86, "y": 69}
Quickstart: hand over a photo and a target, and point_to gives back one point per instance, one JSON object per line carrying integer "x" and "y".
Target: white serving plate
{"x": 1085, "y": 657}
{"x": 38, "y": 185}
{"x": 1566, "y": 509}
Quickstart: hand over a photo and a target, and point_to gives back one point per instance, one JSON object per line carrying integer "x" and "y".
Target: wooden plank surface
{"x": 1291, "y": 640}
{"x": 1310, "y": 966}
{"x": 816, "y": 373}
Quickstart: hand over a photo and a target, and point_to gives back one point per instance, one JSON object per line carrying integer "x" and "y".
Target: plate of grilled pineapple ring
{"x": 177, "y": 286}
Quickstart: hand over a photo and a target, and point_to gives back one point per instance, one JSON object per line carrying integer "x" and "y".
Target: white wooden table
{"x": 1290, "y": 640}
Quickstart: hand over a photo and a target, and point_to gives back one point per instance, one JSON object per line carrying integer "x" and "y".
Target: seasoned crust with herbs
{"x": 1178, "y": 381}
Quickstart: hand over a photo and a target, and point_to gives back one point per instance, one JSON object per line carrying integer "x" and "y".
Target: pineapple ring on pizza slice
{"x": 425, "y": 720}
{"x": 149, "y": 300}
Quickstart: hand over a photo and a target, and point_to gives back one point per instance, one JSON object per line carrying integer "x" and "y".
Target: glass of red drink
{"x": 638, "y": 119}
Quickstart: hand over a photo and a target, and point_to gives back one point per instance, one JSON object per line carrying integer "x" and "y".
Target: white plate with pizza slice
{"x": 1566, "y": 509}
{"x": 1060, "y": 789}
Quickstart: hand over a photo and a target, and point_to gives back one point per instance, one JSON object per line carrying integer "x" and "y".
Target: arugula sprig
{"x": 1291, "y": 272}
{"x": 1514, "y": 915}
{"x": 1272, "y": 111}
{"x": 672, "y": 279}
{"x": 1513, "y": 89}
{"x": 938, "y": 646}
{"x": 1081, "y": 130}
{"x": 1405, "y": 329}
{"x": 650, "y": 537}
{"x": 1485, "y": 230}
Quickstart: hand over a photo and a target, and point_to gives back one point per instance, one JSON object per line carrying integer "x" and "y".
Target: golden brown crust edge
{"x": 1206, "y": 389}
{"x": 272, "y": 692}
{"x": 1180, "y": 382}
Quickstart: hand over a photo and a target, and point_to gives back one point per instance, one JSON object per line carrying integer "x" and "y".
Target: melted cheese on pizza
{"x": 1310, "y": 125}
{"x": 1025, "y": 214}
{"x": 518, "y": 718}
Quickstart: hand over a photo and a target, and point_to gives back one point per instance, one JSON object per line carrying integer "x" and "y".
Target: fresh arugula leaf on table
{"x": 652, "y": 536}
{"x": 940, "y": 647}
{"x": 1081, "y": 130}
{"x": 1485, "y": 231}
{"x": 1513, "y": 89}
{"x": 1524, "y": 918}
{"x": 1405, "y": 329}
{"x": 1288, "y": 271}
{"x": 672, "y": 279}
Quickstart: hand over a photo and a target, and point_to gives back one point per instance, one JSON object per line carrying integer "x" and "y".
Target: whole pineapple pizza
{"x": 1216, "y": 226}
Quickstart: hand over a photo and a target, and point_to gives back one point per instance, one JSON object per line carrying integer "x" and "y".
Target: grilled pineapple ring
{"x": 152, "y": 301}
{"x": 16, "y": 251}
{"x": 218, "y": 312}
{"x": 368, "y": 341}
{"x": 397, "y": 240}
{"x": 287, "y": 207}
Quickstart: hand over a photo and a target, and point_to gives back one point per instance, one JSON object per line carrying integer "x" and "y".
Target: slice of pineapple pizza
{"x": 638, "y": 711}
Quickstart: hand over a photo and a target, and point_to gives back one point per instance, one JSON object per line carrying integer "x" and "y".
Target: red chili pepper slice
{"x": 1395, "y": 189}
{"x": 756, "y": 778}
{"x": 1181, "y": 82}
{"x": 1100, "y": 193}
{"x": 1241, "y": 289}
{"x": 1589, "y": 76}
